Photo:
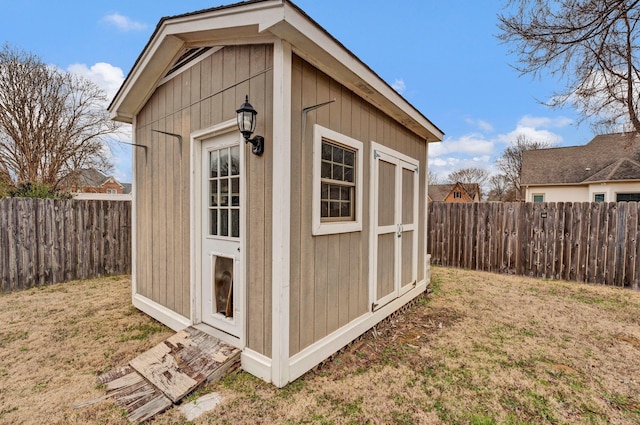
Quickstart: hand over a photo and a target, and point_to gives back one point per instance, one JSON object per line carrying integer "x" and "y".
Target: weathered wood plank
{"x": 50, "y": 240}
{"x": 182, "y": 362}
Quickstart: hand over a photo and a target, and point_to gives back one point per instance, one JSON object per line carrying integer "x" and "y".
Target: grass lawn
{"x": 481, "y": 349}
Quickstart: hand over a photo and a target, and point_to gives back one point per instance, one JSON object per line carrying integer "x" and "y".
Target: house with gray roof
{"x": 607, "y": 169}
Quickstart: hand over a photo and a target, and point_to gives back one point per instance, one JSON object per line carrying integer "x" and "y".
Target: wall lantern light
{"x": 247, "y": 124}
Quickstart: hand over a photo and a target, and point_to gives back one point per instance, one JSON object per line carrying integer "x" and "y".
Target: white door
{"x": 221, "y": 214}
{"x": 394, "y": 221}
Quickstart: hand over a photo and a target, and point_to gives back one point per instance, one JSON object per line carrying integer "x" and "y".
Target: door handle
{"x": 400, "y": 230}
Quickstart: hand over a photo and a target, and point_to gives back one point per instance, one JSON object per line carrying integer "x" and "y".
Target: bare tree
{"x": 500, "y": 189}
{"x": 591, "y": 44}
{"x": 432, "y": 178}
{"x": 469, "y": 175}
{"x": 510, "y": 163}
{"x": 52, "y": 123}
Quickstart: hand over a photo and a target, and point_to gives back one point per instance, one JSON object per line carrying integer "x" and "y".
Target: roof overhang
{"x": 261, "y": 21}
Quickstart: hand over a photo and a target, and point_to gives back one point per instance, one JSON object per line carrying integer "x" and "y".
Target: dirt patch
{"x": 630, "y": 339}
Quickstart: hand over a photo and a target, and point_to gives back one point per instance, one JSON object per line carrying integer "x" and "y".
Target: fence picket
{"x": 584, "y": 242}
{"x": 50, "y": 241}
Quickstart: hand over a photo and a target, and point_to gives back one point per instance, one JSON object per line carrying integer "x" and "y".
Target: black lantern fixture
{"x": 247, "y": 124}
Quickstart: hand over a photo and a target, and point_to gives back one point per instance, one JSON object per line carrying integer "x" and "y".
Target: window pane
{"x": 334, "y": 209}
{"x": 213, "y": 164}
{"x": 348, "y": 174}
{"x": 334, "y": 193}
{"x": 224, "y": 192}
{"x": 235, "y": 223}
{"x": 213, "y": 222}
{"x": 325, "y": 171}
{"x": 235, "y": 161}
{"x": 213, "y": 187}
{"x": 324, "y": 209}
{"x": 337, "y": 154}
{"x": 599, "y": 197}
{"x": 224, "y": 222}
{"x": 345, "y": 210}
{"x": 345, "y": 193}
{"x": 235, "y": 191}
{"x": 324, "y": 191}
{"x": 349, "y": 157}
{"x": 337, "y": 172}
{"x": 326, "y": 151}
{"x": 224, "y": 162}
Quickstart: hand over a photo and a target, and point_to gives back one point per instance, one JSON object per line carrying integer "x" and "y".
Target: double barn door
{"x": 394, "y": 225}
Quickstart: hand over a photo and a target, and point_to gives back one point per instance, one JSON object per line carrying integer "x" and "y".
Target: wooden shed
{"x": 292, "y": 254}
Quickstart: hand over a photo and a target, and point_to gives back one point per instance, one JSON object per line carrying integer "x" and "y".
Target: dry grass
{"x": 482, "y": 349}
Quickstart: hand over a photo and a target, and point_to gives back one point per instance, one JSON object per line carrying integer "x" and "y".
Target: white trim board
{"x": 319, "y": 351}
{"x": 161, "y": 313}
{"x": 256, "y": 364}
{"x": 281, "y": 213}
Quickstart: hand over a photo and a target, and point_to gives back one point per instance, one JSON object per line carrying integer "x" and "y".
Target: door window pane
{"x": 224, "y": 192}
{"x": 235, "y": 223}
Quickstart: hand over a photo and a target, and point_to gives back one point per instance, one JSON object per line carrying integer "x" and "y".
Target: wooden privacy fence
{"x": 581, "y": 241}
{"x": 46, "y": 241}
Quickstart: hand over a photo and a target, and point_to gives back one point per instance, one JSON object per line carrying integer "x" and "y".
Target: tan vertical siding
{"x": 330, "y": 273}
{"x": 192, "y": 100}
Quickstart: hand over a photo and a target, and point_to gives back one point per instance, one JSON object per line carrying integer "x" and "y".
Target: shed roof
{"x": 253, "y": 21}
{"x": 606, "y": 157}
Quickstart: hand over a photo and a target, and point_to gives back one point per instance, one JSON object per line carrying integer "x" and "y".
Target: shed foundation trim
{"x": 311, "y": 356}
{"x": 256, "y": 364}
{"x": 161, "y": 313}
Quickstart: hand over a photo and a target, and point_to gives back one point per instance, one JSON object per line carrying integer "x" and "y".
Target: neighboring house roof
{"x": 89, "y": 177}
{"x": 473, "y": 190}
{"x": 440, "y": 192}
{"x": 608, "y": 157}
{"x": 126, "y": 188}
{"x": 178, "y": 34}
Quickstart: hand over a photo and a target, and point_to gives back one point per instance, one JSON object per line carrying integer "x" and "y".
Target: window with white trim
{"x": 337, "y": 185}
{"x": 598, "y": 197}
{"x": 112, "y": 192}
{"x": 337, "y": 182}
{"x": 538, "y": 197}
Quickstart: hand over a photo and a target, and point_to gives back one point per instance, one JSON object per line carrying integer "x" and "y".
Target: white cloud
{"x": 536, "y": 129}
{"x": 106, "y": 76}
{"x": 544, "y": 122}
{"x": 399, "y": 85}
{"x": 124, "y": 23}
{"x": 469, "y": 144}
{"x": 481, "y": 124}
{"x": 479, "y": 150}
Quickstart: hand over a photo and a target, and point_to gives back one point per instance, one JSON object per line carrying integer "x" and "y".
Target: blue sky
{"x": 443, "y": 57}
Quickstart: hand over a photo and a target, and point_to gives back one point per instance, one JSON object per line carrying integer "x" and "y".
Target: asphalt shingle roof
{"x": 606, "y": 157}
